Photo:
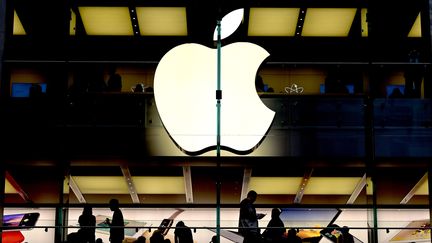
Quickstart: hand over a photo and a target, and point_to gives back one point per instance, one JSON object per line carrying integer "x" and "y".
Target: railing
{"x": 229, "y": 234}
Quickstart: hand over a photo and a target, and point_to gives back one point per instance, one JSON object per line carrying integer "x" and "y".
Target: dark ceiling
{"x": 47, "y": 26}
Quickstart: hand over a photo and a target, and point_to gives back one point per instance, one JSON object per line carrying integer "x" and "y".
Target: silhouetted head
{"x": 252, "y": 195}
{"x": 275, "y": 213}
{"x": 87, "y": 210}
{"x": 292, "y": 233}
{"x": 180, "y": 224}
{"x": 344, "y": 230}
{"x": 259, "y": 83}
{"x": 114, "y": 204}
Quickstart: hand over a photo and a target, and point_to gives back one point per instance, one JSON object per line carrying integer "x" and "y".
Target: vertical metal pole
{"x": 2, "y": 197}
{"x": 2, "y": 93}
{"x": 4, "y": 82}
{"x": 218, "y": 130}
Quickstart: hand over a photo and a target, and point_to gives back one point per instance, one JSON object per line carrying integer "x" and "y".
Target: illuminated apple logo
{"x": 185, "y": 86}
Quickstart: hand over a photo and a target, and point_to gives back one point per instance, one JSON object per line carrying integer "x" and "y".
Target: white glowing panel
{"x": 159, "y": 184}
{"x": 416, "y": 28}
{"x": 229, "y": 23}
{"x": 106, "y": 20}
{"x": 185, "y": 93}
{"x": 18, "y": 28}
{"x": 101, "y": 184}
{"x": 331, "y": 185}
{"x": 72, "y": 23}
{"x": 9, "y": 189}
{"x": 162, "y": 21}
{"x": 328, "y": 22}
{"x": 364, "y": 23}
{"x": 273, "y": 21}
{"x": 275, "y": 185}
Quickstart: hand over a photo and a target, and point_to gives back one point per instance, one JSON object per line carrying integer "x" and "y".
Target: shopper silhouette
{"x": 214, "y": 239}
{"x": 140, "y": 239}
{"x": 117, "y": 224}
{"x": 275, "y": 228}
{"x": 292, "y": 236}
{"x": 248, "y": 219}
{"x": 396, "y": 93}
{"x": 346, "y": 236}
{"x": 87, "y": 221}
{"x": 413, "y": 75}
{"x": 114, "y": 82}
{"x": 182, "y": 233}
{"x": 157, "y": 237}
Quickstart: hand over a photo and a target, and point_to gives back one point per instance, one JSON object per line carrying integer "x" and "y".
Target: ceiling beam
{"x": 359, "y": 187}
{"x": 302, "y": 187}
{"x": 134, "y": 20}
{"x": 411, "y": 193}
{"x": 74, "y": 186}
{"x": 300, "y": 22}
{"x": 130, "y": 184}
{"x": 247, "y": 174}
{"x": 188, "y": 183}
{"x": 17, "y": 187}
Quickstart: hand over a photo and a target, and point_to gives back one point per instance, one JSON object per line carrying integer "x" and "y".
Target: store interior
{"x": 358, "y": 158}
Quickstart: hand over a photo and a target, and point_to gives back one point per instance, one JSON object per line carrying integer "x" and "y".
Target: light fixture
{"x": 273, "y": 21}
{"x": 416, "y": 28}
{"x": 18, "y": 28}
{"x": 162, "y": 21}
{"x": 106, "y": 20}
{"x": 328, "y": 22}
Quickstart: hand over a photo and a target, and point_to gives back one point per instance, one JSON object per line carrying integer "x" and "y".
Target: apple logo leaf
{"x": 229, "y": 23}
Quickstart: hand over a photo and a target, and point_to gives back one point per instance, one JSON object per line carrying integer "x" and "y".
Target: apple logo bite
{"x": 185, "y": 86}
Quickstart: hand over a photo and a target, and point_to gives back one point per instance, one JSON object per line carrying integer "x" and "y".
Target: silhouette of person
{"x": 275, "y": 228}
{"x": 413, "y": 75}
{"x": 182, "y": 233}
{"x": 35, "y": 91}
{"x": 117, "y": 224}
{"x": 74, "y": 237}
{"x": 87, "y": 221}
{"x": 248, "y": 219}
{"x": 140, "y": 239}
{"x": 99, "y": 240}
{"x": 259, "y": 83}
{"x": 114, "y": 82}
{"x": 260, "y": 86}
{"x": 214, "y": 239}
{"x": 334, "y": 82}
{"x": 292, "y": 237}
{"x": 346, "y": 236}
{"x": 396, "y": 93}
{"x": 138, "y": 88}
{"x": 157, "y": 237}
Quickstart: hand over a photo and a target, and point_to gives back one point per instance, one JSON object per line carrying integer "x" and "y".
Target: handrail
{"x": 194, "y": 228}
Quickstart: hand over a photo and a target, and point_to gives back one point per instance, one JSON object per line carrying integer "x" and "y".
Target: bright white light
{"x": 230, "y": 23}
{"x": 185, "y": 95}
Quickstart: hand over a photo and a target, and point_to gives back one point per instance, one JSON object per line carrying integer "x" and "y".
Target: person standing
{"x": 117, "y": 224}
{"x": 182, "y": 233}
{"x": 275, "y": 228}
{"x": 248, "y": 219}
{"x": 346, "y": 236}
{"x": 114, "y": 82}
{"x": 87, "y": 221}
{"x": 292, "y": 237}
